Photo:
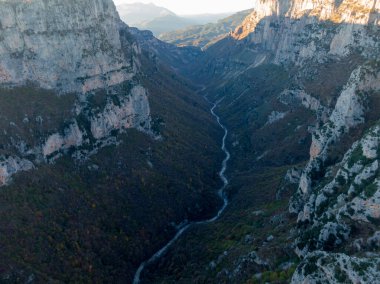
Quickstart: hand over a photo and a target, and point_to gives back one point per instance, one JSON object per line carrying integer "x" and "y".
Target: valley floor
{"x": 186, "y": 225}
{"x": 251, "y": 237}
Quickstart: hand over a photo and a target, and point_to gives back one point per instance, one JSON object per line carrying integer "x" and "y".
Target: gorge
{"x": 110, "y": 158}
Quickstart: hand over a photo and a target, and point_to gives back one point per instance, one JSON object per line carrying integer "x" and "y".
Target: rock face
{"x": 349, "y": 109}
{"x": 292, "y": 97}
{"x": 298, "y": 33}
{"x": 308, "y": 34}
{"x": 73, "y": 137}
{"x": 133, "y": 111}
{"x": 72, "y": 46}
{"x": 348, "y": 112}
{"x": 351, "y": 197}
{"x": 292, "y": 30}
{"x": 275, "y": 116}
{"x": 321, "y": 267}
{"x": 12, "y": 165}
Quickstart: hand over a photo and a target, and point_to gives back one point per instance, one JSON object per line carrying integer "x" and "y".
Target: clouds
{"x": 184, "y": 7}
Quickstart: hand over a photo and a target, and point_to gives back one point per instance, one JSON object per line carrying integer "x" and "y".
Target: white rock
{"x": 73, "y": 137}
{"x": 322, "y": 267}
{"x": 275, "y": 116}
{"x": 73, "y": 47}
{"x": 367, "y": 173}
{"x": 11, "y": 166}
{"x": 133, "y": 111}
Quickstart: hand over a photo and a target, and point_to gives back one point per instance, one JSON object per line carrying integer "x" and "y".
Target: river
{"x": 186, "y": 225}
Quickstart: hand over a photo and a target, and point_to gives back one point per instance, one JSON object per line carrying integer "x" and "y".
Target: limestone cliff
{"x": 72, "y": 46}
{"x": 349, "y": 200}
{"x": 300, "y": 32}
{"x": 321, "y": 267}
{"x": 75, "y": 49}
{"x": 304, "y": 29}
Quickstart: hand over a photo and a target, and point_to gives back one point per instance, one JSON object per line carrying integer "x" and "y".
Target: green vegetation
{"x": 334, "y": 75}
{"x": 356, "y": 156}
{"x": 30, "y": 114}
{"x": 251, "y": 213}
{"x": 361, "y": 267}
{"x": 275, "y": 277}
{"x": 96, "y": 220}
{"x": 340, "y": 275}
{"x": 370, "y": 190}
{"x": 203, "y": 35}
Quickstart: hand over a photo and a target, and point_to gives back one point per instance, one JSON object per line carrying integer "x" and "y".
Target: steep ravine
{"x": 185, "y": 225}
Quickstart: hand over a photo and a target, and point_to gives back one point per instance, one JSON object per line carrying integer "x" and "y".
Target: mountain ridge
{"x": 204, "y": 35}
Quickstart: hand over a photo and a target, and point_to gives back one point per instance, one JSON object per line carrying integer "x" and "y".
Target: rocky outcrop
{"x": 71, "y": 46}
{"x": 348, "y": 112}
{"x": 132, "y": 112}
{"x": 293, "y": 176}
{"x": 12, "y": 165}
{"x": 275, "y": 116}
{"x": 294, "y": 97}
{"x": 262, "y": 9}
{"x": 179, "y": 58}
{"x": 351, "y": 200}
{"x": 72, "y": 137}
{"x": 322, "y": 267}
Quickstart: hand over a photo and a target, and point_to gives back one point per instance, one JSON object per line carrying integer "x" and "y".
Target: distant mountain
{"x": 159, "y": 19}
{"x": 164, "y": 24}
{"x": 202, "y": 35}
{"x": 202, "y": 19}
{"x": 137, "y": 13}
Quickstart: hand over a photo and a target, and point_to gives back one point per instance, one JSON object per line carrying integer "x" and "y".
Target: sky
{"x": 191, "y": 7}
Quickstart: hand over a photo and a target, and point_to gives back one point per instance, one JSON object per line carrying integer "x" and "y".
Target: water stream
{"x": 186, "y": 225}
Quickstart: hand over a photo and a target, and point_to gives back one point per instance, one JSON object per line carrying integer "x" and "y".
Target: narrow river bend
{"x": 186, "y": 226}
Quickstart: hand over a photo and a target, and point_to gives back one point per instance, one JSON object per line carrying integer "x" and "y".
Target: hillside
{"x": 204, "y": 35}
{"x": 163, "y": 24}
{"x": 99, "y": 162}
